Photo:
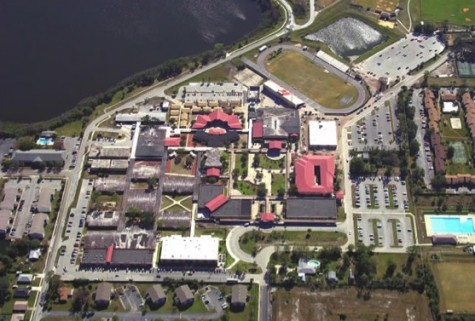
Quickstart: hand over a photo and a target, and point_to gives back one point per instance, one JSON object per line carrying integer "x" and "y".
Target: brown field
{"x": 456, "y": 284}
{"x": 303, "y": 305}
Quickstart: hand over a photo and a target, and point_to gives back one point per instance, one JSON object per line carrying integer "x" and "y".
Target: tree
{"x": 4, "y": 290}
{"x": 261, "y": 190}
{"x": 450, "y": 152}
{"x": 80, "y": 300}
{"x": 281, "y": 192}
{"x": 390, "y": 269}
{"x": 357, "y": 167}
{"x": 151, "y": 182}
{"x": 413, "y": 147}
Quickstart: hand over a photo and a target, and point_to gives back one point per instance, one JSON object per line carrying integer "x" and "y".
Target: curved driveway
{"x": 260, "y": 67}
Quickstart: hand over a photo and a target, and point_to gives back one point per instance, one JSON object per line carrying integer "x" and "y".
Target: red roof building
{"x": 258, "y": 129}
{"x": 172, "y": 142}
{"x": 203, "y": 121}
{"x": 340, "y": 195}
{"x": 109, "y": 252}
{"x": 314, "y": 174}
{"x": 216, "y": 131}
{"x": 275, "y": 144}
{"x": 216, "y": 202}
{"x": 213, "y": 171}
{"x": 267, "y": 217}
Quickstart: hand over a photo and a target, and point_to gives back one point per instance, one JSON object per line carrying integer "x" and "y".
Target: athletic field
{"x": 459, "y": 12}
{"x": 313, "y": 81}
{"x": 456, "y": 283}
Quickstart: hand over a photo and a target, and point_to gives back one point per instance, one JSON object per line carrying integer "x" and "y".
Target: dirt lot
{"x": 303, "y": 305}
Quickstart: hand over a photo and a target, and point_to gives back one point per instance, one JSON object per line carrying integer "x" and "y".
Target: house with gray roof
{"x": 238, "y": 297}
{"x": 9, "y": 201}
{"x": 38, "y": 224}
{"x": 38, "y": 156}
{"x": 103, "y": 294}
{"x": 183, "y": 296}
{"x": 155, "y": 296}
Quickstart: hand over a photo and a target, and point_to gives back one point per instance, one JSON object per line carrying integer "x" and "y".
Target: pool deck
{"x": 462, "y": 238}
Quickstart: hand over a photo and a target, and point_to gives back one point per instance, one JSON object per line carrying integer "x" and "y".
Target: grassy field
{"x": 300, "y": 305}
{"x": 455, "y": 285}
{"x": 312, "y": 80}
{"x": 252, "y": 241}
{"x": 459, "y": 12}
{"x": 278, "y": 182}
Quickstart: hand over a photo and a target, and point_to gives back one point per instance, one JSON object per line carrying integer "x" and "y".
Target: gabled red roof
{"x": 216, "y": 202}
{"x": 275, "y": 144}
{"x": 109, "y": 252}
{"x": 305, "y": 174}
{"x": 213, "y": 171}
{"x": 267, "y": 217}
{"x": 172, "y": 141}
{"x": 231, "y": 120}
{"x": 258, "y": 129}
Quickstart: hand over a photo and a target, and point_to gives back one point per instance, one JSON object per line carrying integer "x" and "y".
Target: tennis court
{"x": 459, "y": 153}
{"x": 465, "y": 69}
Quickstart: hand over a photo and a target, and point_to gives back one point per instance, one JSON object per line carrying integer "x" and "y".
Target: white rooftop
{"x": 322, "y": 133}
{"x": 203, "y": 248}
{"x": 450, "y": 107}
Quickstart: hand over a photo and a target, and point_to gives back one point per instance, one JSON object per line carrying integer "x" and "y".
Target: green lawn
{"x": 246, "y": 188}
{"x": 267, "y": 163}
{"x": 381, "y": 260}
{"x": 278, "y": 182}
{"x": 216, "y": 232}
{"x": 454, "y": 11}
{"x": 70, "y": 129}
{"x": 251, "y": 241}
{"x": 180, "y": 168}
{"x": 312, "y": 80}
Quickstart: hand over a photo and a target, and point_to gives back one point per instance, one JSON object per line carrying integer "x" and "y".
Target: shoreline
{"x": 147, "y": 79}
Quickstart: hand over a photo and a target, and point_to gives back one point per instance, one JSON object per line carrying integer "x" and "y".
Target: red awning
{"x": 216, "y": 202}
{"x": 110, "y": 249}
{"x": 213, "y": 171}
{"x": 172, "y": 141}
{"x": 275, "y": 144}
{"x": 267, "y": 217}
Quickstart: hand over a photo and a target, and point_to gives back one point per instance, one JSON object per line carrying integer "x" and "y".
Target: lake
{"x": 56, "y": 52}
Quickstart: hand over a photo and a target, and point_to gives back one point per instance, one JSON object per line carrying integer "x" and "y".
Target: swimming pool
{"x": 452, "y": 225}
{"x": 44, "y": 141}
{"x": 314, "y": 263}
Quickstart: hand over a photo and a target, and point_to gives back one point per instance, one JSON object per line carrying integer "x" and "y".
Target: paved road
{"x": 260, "y": 67}
{"x": 138, "y": 316}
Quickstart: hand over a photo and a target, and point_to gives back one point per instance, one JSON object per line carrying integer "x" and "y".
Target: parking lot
{"x": 424, "y": 160}
{"x": 378, "y": 130}
{"x": 214, "y": 299}
{"x": 403, "y": 56}
{"x": 71, "y": 146}
{"x": 131, "y": 298}
{"x": 74, "y": 228}
{"x": 30, "y": 190}
{"x": 385, "y": 231}
{"x": 380, "y": 194}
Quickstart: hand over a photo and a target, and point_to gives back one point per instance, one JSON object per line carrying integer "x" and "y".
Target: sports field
{"x": 459, "y": 153}
{"x": 456, "y": 284}
{"x": 459, "y": 12}
{"x": 315, "y": 82}
{"x": 384, "y": 5}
